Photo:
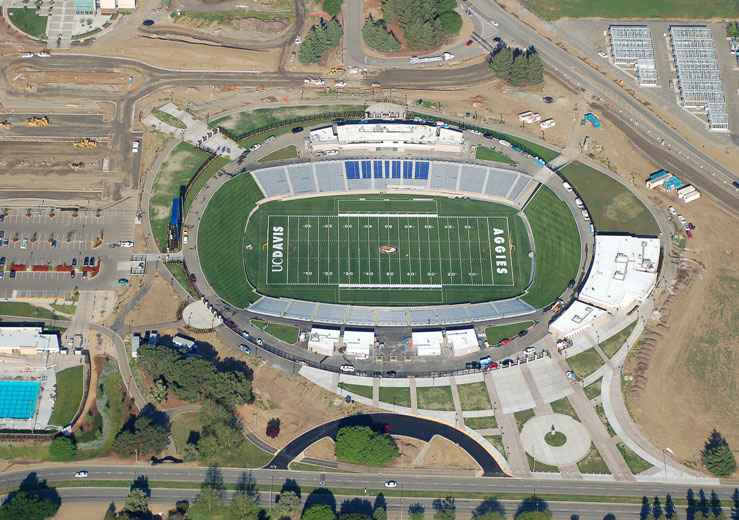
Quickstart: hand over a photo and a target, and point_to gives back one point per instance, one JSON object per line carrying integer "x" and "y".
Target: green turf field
{"x": 392, "y": 250}
{"x": 687, "y": 9}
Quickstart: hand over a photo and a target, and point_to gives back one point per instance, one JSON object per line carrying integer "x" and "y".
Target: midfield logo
{"x": 389, "y": 250}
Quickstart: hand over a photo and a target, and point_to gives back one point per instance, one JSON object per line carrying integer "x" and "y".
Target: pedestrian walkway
{"x": 509, "y": 431}
{"x": 457, "y": 403}
{"x": 61, "y": 24}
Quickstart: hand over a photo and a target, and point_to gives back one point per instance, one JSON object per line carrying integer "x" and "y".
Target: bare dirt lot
{"x": 231, "y": 5}
{"x": 118, "y": 80}
{"x": 159, "y": 304}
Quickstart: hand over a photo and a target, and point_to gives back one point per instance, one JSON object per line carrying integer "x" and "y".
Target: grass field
{"x": 481, "y": 423}
{"x": 486, "y": 154}
{"x": 169, "y": 119}
{"x": 28, "y": 20}
{"x": 540, "y": 467}
{"x": 400, "y": 396}
{"x": 69, "y": 395}
{"x": 208, "y": 172}
{"x": 615, "y": 342}
{"x": 170, "y": 183}
{"x": 394, "y": 250}
{"x": 687, "y": 9}
{"x": 611, "y": 205}
{"x": 602, "y": 415}
{"x": 244, "y": 122}
{"x": 497, "y": 441}
{"x": 474, "y": 396}
{"x": 360, "y": 390}
{"x": 593, "y": 462}
{"x": 635, "y": 463}
{"x": 288, "y": 152}
{"x": 495, "y": 334}
{"x": 585, "y": 363}
{"x": 177, "y": 270}
{"x": 435, "y": 398}
{"x": 564, "y": 407}
{"x": 219, "y": 243}
{"x": 593, "y": 389}
{"x": 26, "y": 310}
{"x": 557, "y": 245}
{"x": 286, "y": 333}
{"x": 523, "y": 416}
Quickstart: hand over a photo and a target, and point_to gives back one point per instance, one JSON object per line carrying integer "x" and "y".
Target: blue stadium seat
{"x": 378, "y": 169}
{"x": 407, "y": 169}
{"x": 422, "y": 170}
{"x": 396, "y": 169}
{"x": 352, "y": 169}
{"x": 387, "y": 169}
{"x": 366, "y": 169}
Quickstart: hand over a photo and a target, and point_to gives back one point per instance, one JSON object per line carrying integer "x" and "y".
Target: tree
{"x": 137, "y": 502}
{"x": 535, "y": 72}
{"x": 190, "y": 453}
{"x": 332, "y": 7}
{"x": 444, "y": 6}
{"x": 319, "y": 39}
{"x": 158, "y": 391}
{"x": 376, "y": 35}
{"x": 362, "y": 445}
{"x": 380, "y": 513}
{"x": 445, "y": 509}
{"x": 451, "y": 22}
{"x": 146, "y": 438}
{"x": 62, "y": 448}
{"x": 319, "y": 512}
{"x": 535, "y": 515}
{"x": 243, "y": 508}
{"x": 208, "y": 504}
{"x": 717, "y": 456}
{"x": 28, "y": 507}
{"x": 288, "y": 506}
{"x": 501, "y": 63}
{"x": 416, "y": 512}
{"x": 518, "y": 71}
{"x": 273, "y": 428}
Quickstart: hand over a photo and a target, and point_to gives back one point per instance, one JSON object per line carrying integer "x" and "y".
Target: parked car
{"x": 245, "y": 349}
{"x": 136, "y": 146}
{"x": 74, "y": 262}
{"x": 245, "y": 334}
{"x": 470, "y": 42}
{"x": 494, "y": 23}
{"x": 53, "y": 244}
{"x": 71, "y": 274}
{"x": 391, "y": 484}
{"x": 507, "y": 362}
{"x": 571, "y": 376}
{"x": 297, "y": 129}
{"x": 193, "y": 278}
{"x": 92, "y": 261}
{"x": 84, "y": 275}
{"x": 567, "y": 187}
{"x": 472, "y": 365}
{"x": 256, "y": 147}
{"x": 24, "y": 244}
{"x": 522, "y": 333}
{"x": 122, "y": 281}
{"x": 2, "y": 261}
{"x": 475, "y": 132}
{"x": 12, "y": 274}
{"x": 585, "y": 215}
{"x": 86, "y": 261}
{"x": 347, "y": 368}
{"x": 529, "y": 351}
{"x": 504, "y": 342}
{"x": 269, "y": 139}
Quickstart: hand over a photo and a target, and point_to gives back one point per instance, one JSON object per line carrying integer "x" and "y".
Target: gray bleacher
{"x": 273, "y": 181}
{"x": 301, "y": 178}
{"x": 513, "y": 307}
{"x": 360, "y": 184}
{"x": 416, "y": 183}
{"x": 330, "y": 176}
{"x": 482, "y": 311}
{"x": 361, "y": 316}
{"x": 392, "y": 318}
{"x": 472, "y": 178}
{"x": 443, "y": 176}
{"x": 327, "y": 313}
{"x": 423, "y": 317}
{"x": 381, "y": 184}
{"x": 270, "y": 306}
{"x": 521, "y": 183}
{"x": 500, "y": 182}
{"x": 452, "y": 314}
{"x": 300, "y": 310}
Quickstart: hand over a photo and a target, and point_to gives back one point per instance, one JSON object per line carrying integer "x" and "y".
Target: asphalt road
{"x": 405, "y": 425}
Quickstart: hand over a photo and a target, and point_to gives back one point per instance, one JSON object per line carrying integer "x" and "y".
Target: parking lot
{"x": 36, "y": 238}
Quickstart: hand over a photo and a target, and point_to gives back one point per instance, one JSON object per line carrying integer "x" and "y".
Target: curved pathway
{"x": 408, "y": 426}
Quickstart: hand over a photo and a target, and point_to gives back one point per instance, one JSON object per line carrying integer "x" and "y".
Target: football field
{"x": 393, "y": 247}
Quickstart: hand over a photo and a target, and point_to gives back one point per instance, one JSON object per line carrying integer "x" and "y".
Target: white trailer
{"x": 653, "y": 183}
{"x": 692, "y": 196}
{"x": 547, "y": 123}
{"x": 685, "y": 190}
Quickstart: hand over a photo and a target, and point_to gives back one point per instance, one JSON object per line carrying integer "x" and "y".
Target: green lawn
{"x": 555, "y": 438}
{"x": 671, "y": 9}
{"x": 635, "y": 463}
{"x": 400, "y": 396}
{"x": 286, "y": 333}
{"x": 610, "y": 204}
{"x": 557, "y": 245}
{"x": 522, "y": 417}
{"x": 497, "y": 441}
{"x": 486, "y": 154}
{"x": 496, "y": 334}
{"x": 593, "y": 389}
{"x": 360, "y": 390}
{"x": 178, "y": 271}
{"x": 245, "y": 122}
{"x": 64, "y": 309}
{"x": 220, "y": 257}
{"x": 474, "y": 396}
{"x": 585, "y": 363}
{"x": 564, "y": 407}
{"x": 95, "y": 432}
{"x": 602, "y": 415}
{"x": 539, "y": 466}
{"x": 481, "y": 423}
{"x": 288, "y": 152}
{"x": 205, "y": 175}
{"x": 615, "y": 342}
{"x": 169, "y": 119}
{"x": 435, "y": 398}
{"x": 170, "y": 183}
{"x": 68, "y": 395}
{"x": 28, "y": 20}
{"x": 116, "y": 401}
{"x": 593, "y": 462}
{"x": 25, "y": 310}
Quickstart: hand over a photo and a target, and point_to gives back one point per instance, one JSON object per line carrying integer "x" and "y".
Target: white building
{"x": 577, "y": 318}
{"x": 428, "y": 343}
{"x": 183, "y": 342}
{"x": 323, "y": 341}
{"x": 382, "y": 131}
{"x": 27, "y": 341}
{"x": 359, "y": 342}
{"x": 463, "y": 341}
{"x": 624, "y": 272}
{"x": 135, "y": 344}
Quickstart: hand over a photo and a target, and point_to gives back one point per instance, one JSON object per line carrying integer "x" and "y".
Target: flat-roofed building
{"x": 428, "y": 342}
{"x": 323, "y": 341}
{"x": 577, "y": 318}
{"x": 463, "y": 341}
{"x": 27, "y": 341}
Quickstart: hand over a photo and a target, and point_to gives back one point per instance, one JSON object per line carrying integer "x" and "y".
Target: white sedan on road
{"x": 80, "y": 474}
{"x": 391, "y": 484}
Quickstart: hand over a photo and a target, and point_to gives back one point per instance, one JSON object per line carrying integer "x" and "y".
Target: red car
{"x": 193, "y": 279}
{"x": 689, "y": 233}
{"x": 469, "y": 43}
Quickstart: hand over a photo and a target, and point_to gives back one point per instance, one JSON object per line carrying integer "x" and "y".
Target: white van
{"x": 567, "y": 187}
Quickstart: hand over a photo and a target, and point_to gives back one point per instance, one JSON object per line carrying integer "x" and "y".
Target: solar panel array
{"x": 389, "y": 316}
{"x": 380, "y": 174}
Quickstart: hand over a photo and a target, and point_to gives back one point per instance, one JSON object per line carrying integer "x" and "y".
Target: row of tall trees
{"x": 321, "y": 37}
{"x": 377, "y": 36}
{"x": 424, "y": 22}
{"x": 516, "y": 67}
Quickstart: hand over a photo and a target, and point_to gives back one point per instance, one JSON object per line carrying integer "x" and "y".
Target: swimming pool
{"x": 18, "y": 399}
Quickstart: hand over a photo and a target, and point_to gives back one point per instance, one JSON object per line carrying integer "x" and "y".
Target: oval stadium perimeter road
{"x": 408, "y": 426}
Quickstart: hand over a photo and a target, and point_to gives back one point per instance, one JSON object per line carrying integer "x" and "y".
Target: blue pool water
{"x": 18, "y": 399}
